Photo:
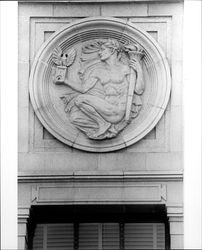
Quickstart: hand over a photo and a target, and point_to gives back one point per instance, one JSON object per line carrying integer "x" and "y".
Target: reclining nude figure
{"x": 99, "y": 101}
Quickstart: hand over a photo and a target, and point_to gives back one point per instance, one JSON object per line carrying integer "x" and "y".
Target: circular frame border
{"x": 57, "y": 35}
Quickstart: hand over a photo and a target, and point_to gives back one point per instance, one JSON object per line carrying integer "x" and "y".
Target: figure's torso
{"x": 114, "y": 82}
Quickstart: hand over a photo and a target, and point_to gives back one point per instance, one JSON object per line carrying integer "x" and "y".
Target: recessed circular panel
{"x": 99, "y": 84}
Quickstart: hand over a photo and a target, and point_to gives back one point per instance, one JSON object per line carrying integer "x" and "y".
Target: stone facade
{"x": 147, "y": 172}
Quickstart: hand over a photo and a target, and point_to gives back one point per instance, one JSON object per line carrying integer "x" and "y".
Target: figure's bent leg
{"x": 93, "y": 114}
{"x": 103, "y": 125}
{"x": 82, "y": 120}
{"x": 110, "y": 113}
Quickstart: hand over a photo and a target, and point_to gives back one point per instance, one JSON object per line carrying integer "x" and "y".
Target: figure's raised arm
{"x": 81, "y": 87}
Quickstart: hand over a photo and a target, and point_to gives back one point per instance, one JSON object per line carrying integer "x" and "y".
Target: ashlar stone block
{"x": 173, "y": 196}
{"x": 124, "y": 9}
{"x": 76, "y": 10}
{"x": 23, "y": 39}
{"x": 65, "y": 162}
{"x": 176, "y": 228}
{"x": 24, "y": 192}
{"x": 23, "y": 83}
{"x": 164, "y": 161}
{"x": 177, "y": 38}
{"x": 22, "y": 243}
{"x": 122, "y": 161}
{"x": 30, "y": 9}
{"x": 176, "y": 129}
{"x": 177, "y": 242}
{"x": 177, "y": 83}
{"x": 165, "y": 9}
{"x": 23, "y": 129}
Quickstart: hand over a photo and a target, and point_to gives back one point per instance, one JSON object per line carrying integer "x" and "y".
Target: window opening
{"x": 99, "y": 236}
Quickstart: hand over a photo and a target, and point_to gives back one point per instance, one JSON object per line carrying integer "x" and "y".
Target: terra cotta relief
{"x": 107, "y": 95}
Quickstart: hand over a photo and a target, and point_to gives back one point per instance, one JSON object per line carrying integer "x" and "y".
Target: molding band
{"x": 103, "y": 177}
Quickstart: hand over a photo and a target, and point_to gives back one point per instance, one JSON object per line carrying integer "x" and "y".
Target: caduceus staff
{"x": 136, "y": 83}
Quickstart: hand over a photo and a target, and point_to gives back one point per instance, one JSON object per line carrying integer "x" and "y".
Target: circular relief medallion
{"x": 100, "y": 84}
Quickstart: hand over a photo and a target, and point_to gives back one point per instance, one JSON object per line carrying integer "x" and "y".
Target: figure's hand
{"x": 59, "y": 80}
{"x": 65, "y": 82}
{"x": 135, "y": 64}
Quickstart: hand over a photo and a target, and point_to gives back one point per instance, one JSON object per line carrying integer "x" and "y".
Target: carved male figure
{"x": 102, "y": 95}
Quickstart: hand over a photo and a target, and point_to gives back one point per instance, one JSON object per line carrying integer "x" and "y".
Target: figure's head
{"x": 109, "y": 48}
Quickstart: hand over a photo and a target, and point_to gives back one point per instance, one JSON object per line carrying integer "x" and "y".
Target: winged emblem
{"x": 63, "y": 59}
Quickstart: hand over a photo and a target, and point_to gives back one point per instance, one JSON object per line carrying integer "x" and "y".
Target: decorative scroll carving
{"x": 107, "y": 95}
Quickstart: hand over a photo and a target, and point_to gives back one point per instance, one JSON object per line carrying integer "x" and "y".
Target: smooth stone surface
{"x": 127, "y": 9}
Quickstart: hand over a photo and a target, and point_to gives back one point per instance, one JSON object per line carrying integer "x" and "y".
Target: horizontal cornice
{"x": 102, "y": 177}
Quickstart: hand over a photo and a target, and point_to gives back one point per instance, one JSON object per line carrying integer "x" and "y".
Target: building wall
{"x": 151, "y": 170}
